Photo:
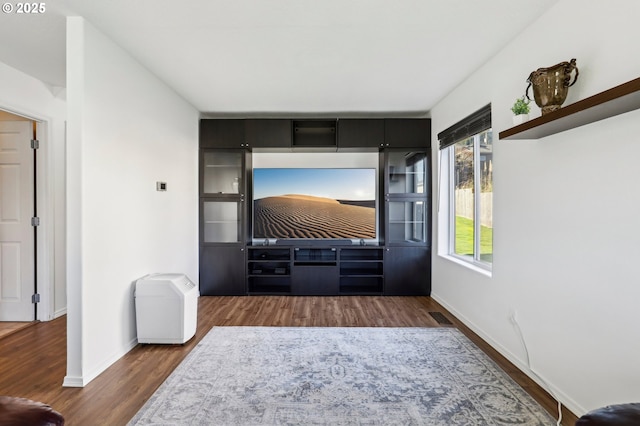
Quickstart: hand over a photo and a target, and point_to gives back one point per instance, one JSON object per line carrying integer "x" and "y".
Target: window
{"x": 467, "y": 159}
{"x": 471, "y": 227}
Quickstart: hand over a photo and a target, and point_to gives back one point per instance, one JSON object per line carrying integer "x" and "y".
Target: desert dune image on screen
{"x": 314, "y": 203}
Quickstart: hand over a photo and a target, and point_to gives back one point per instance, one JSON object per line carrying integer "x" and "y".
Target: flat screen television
{"x": 314, "y": 203}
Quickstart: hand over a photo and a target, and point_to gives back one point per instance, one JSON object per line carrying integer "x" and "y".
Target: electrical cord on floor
{"x": 526, "y": 353}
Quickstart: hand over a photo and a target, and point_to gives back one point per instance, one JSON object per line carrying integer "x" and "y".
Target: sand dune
{"x": 308, "y": 198}
{"x": 305, "y": 216}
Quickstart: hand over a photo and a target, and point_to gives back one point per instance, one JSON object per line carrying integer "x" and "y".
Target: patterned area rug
{"x": 339, "y": 376}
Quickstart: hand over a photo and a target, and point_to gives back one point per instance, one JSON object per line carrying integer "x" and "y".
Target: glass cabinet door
{"x": 406, "y": 172}
{"x": 221, "y": 221}
{"x": 222, "y": 172}
{"x": 407, "y": 222}
{"x": 406, "y": 198}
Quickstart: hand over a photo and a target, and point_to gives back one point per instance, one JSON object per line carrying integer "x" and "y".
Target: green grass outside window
{"x": 464, "y": 239}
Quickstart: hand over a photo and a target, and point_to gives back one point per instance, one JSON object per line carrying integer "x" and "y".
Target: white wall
{"x": 565, "y": 214}
{"x": 27, "y": 96}
{"x": 127, "y": 130}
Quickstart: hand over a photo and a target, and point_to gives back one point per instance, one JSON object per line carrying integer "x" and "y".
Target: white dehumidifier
{"x": 166, "y": 308}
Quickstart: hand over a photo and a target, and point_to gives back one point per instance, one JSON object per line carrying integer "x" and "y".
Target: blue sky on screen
{"x": 339, "y": 184}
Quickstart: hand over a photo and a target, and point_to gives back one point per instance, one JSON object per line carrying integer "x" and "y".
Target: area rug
{"x": 339, "y": 376}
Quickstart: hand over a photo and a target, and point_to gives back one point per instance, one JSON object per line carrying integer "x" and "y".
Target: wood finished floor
{"x": 7, "y": 327}
{"x": 33, "y": 360}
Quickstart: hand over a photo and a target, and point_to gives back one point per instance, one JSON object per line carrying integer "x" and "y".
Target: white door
{"x": 17, "y": 246}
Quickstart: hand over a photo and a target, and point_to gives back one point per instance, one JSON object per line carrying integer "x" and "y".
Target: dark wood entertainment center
{"x": 399, "y": 263}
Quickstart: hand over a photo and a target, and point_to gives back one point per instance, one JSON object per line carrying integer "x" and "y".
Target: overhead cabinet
{"x": 319, "y": 135}
{"x": 360, "y": 133}
{"x": 222, "y": 134}
{"x": 250, "y": 133}
{"x": 407, "y": 133}
{"x": 267, "y": 133}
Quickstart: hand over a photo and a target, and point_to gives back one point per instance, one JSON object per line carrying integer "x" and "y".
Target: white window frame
{"x": 448, "y": 165}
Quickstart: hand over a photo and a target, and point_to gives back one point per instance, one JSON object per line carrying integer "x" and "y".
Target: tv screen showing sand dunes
{"x": 314, "y": 203}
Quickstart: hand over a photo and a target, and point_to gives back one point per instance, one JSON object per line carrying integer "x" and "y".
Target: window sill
{"x": 473, "y": 266}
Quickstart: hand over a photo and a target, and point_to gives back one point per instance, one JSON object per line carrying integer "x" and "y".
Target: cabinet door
{"x": 407, "y": 194}
{"x": 268, "y": 133}
{"x": 407, "y": 271}
{"x": 407, "y": 222}
{"x": 222, "y": 271}
{"x": 222, "y": 172}
{"x": 407, "y": 173}
{"x": 222, "y": 221}
{"x": 407, "y": 132}
{"x": 222, "y": 133}
{"x": 310, "y": 280}
{"x": 360, "y": 133}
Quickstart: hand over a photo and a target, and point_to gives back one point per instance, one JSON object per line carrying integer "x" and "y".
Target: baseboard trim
{"x": 73, "y": 382}
{"x": 59, "y": 313}
{"x": 569, "y": 403}
{"x": 82, "y": 381}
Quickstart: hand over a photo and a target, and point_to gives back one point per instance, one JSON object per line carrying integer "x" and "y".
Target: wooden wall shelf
{"x": 617, "y": 100}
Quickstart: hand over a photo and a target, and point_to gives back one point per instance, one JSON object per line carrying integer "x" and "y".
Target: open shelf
{"x": 361, "y": 270}
{"x": 315, "y": 256}
{"x": 268, "y": 270}
{"x": 615, "y": 101}
{"x": 269, "y": 254}
{"x": 315, "y": 134}
{"x": 315, "y": 270}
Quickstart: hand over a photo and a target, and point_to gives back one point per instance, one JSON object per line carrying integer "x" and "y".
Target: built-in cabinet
{"x": 361, "y": 270}
{"x": 267, "y": 133}
{"x": 407, "y": 271}
{"x": 407, "y": 133}
{"x": 406, "y": 196}
{"x": 407, "y": 221}
{"x": 246, "y": 134}
{"x": 354, "y": 134}
{"x": 222, "y": 134}
{"x": 222, "y": 270}
{"x": 223, "y": 225}
{"x": 269, "y": 270}
{"x": 398, "y": 265}
{"x": 316, "y": 271}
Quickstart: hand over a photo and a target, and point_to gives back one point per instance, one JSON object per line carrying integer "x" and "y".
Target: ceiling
{"x": 285, "y": 57}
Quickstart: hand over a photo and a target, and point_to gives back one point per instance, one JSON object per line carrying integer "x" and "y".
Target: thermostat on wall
{"x": 161, "y": 186}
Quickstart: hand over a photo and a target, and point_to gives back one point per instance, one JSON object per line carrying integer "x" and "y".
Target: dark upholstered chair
{"x": 24, "y": 412}
{"x": 612, "y": 415}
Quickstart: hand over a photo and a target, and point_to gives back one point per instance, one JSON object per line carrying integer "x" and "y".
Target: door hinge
{"x": 35, "y": 221}
{"x": 35, "y": 144}
{"x": 35, "y": 298}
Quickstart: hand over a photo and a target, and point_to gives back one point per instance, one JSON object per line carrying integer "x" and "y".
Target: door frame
{"x": 44, "y": 187}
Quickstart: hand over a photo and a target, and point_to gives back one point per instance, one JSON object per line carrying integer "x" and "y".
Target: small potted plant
{"x": 520, "y": 110}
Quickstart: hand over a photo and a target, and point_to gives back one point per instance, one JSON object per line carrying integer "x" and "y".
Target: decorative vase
{"x": 551, "y": 85}
{"x": 520, "y": 118}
